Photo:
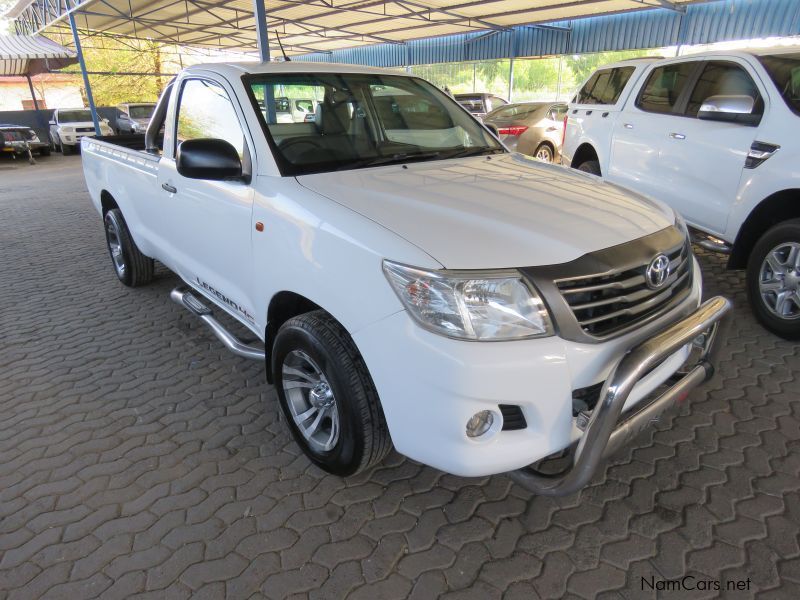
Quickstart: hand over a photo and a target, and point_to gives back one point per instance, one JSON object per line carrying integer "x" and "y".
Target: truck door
{"x": 639, "y": 132}
{"x": 209, "y": 222}
{"x": 703, "y": 160}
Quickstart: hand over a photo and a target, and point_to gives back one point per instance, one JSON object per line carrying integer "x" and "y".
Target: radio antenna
{"x": 285, "y": 58}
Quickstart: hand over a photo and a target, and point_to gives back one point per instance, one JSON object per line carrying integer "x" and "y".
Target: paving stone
{"x": 139, "y": 459}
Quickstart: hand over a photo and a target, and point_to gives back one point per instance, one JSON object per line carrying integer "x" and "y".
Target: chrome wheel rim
{"x": 543, "y": 153}
{"x": 311, "y": 402}
{"x": 779, "y": 281}
{"x": 115, "y": 247}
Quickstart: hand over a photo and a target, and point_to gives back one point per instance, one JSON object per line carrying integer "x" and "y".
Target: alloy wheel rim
{"x": 115, "y": 247}
{"x": 311, "y": 401}
{"x": 543, "y": 153}
{"x": 779, "y": 281}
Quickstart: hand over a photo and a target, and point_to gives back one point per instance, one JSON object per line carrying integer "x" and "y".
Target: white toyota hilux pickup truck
{"x": 413, "y": 283}
{"x": 716, "y": 136}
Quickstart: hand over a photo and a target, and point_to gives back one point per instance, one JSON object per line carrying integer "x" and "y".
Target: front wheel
{"x": 590, "y": 166}
{"x": 327, "y": 395}
{"x": 131, "y": 266}
{"x": 773, "y": 280}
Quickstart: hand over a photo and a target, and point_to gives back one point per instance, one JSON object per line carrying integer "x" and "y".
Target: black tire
{"x": 131, "y": 266}
{"x": 590, "y": 166}
{"x": 787, "y": 232}
{"x": 363, "y": 438}
{"x": 44, "y": 151}
{"x": 65, "y": 149}
{"x": 546, "y": 152}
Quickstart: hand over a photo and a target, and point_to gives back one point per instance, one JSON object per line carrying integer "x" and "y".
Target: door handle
{"x": 627, "y": 125}
{"x": 677, "y": 136}
{"x": 169, "y": 188}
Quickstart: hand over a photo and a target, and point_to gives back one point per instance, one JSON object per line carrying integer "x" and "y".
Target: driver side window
{"x": 205, "y": 111}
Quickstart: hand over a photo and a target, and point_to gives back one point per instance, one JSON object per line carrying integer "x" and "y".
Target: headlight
{"x": 470, "y": 305}
{"x": 66, "y": 129}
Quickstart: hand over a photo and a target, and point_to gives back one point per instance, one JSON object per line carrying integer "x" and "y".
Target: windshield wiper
{"x": 389, "y": 160}
{"x": 475, "y": 152}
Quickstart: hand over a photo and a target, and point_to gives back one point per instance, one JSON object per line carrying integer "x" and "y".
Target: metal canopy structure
{"x": 31, "y": 55}
{"x": 305, "y": 26}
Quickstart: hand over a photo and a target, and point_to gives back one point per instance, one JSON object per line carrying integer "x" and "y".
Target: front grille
{"x": 84, "y": 129}
{"x": 611, "y": 302}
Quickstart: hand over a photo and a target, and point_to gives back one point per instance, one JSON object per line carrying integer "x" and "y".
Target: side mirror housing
{"x": 52, "y": 122}
{"x": 207, "y": 158}
{"x": 730, "y": 109}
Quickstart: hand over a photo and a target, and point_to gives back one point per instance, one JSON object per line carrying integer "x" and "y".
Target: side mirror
{"x": 207, "y": 158}
{"x": 124, "y": 115}
{"x": 52, "y": 122}
{"x": 493, "y": 128}
{"x": 731, "y": 109}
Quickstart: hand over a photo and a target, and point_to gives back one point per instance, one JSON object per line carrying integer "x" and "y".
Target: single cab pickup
{"x": 414, "y": 284}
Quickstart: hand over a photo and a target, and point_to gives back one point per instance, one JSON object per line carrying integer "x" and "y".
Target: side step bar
{"x": 184, "y": 297}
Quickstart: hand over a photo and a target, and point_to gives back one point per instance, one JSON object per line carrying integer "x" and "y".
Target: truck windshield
{"x": 362, "y": 120}
{"x": 144, "y": 111}
{"x": 74, "y": 116}
{"x": 784, "y": 69}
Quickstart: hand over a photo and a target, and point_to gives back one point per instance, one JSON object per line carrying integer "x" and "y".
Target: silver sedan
{"x": 532, "y": 128}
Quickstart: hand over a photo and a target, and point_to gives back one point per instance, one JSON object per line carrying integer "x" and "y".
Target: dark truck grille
{"x": 84, "y": 129}
{"x": 608, "y": 303}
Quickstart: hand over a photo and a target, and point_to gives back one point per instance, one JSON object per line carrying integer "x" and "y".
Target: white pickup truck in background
{"x": 717, "y": 137}
{"x": 413, "y": 282}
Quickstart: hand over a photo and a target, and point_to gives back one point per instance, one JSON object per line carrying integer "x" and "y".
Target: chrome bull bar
{"x": 605, "y": 433}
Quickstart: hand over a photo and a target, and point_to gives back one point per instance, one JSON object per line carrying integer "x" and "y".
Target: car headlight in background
{"x": 470, "y": 305}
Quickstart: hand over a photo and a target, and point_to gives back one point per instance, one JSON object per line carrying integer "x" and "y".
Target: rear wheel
{"x": 590, "y": 166}
{"x": 131, "y": 266}
{"x": 773, "y": 279}
{"x": 544, "y": 153}
{"x": 327, "y": 395}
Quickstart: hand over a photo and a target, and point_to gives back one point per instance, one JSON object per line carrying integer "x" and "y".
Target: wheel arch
{"x": 780, "y": 206}
{"x": 283, "y": 306}
{"x": 586, "y": 151}
{"x": 107, "y": 202}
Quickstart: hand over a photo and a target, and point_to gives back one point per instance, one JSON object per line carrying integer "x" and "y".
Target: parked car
{"x": 69, "y": 125}
{"x": 16, "y": 139}
{"x": 413, "y": 283}
{"x": 134, "y": 117}
{"x": 532, "y": 128}
{"x": 480, "y": 104}
{"x": 295, "y": 110}
{"x": 716, "y": 136}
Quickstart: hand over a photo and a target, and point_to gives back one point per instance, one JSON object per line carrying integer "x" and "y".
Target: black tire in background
{"x": 131, "y": 266}
{"x": 590, "y": 166}
{"x": 65, "y": 149}
{"x": 44, "y": 151}
{"x": 781, "y": 236}
{"x": 322, "y": 343}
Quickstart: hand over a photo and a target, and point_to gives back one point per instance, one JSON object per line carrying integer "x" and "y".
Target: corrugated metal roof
{"x": 702, "y": 23}
{"x": 31, "y": 55}
{"x": 317, "y": 25}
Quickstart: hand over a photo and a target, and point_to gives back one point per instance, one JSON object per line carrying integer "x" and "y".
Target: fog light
{"x": 480, "y": 423}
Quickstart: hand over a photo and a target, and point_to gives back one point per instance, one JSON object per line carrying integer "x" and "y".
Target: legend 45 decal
{"x": 234, "y": 305}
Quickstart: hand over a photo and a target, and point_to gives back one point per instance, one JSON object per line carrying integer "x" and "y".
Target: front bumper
{"x": 604, "y": 432}
{"x": 22, "y": 147}
{"x": 430, "y": 386}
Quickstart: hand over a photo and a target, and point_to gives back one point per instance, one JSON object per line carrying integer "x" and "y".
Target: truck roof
{"x": 244, "y": 68}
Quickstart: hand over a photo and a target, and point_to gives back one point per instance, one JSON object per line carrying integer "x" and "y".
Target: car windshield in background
{"x": 471, "y": 103}
{"x": 141, "y": 112}
{"x": 362, "y": 120}
{"x": 784, "y": 69}
{"x": 514, "y": 110}
{"x": 74, "y": 116}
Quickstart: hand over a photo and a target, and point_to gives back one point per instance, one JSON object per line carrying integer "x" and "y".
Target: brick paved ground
{"x": 139, "y": 457}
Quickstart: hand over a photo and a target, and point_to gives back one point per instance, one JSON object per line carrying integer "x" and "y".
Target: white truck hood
{"x": 507, "y": 211}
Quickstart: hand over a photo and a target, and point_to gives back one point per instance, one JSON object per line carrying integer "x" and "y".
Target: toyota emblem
{"x": 657, "y": 272}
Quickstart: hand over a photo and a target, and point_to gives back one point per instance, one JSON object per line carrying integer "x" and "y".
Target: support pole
{"x": 86, "y": 83}
{"x": 511, "y": 65}
{"x": 33, "y": 95}
{"x": 260, "y": 13}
